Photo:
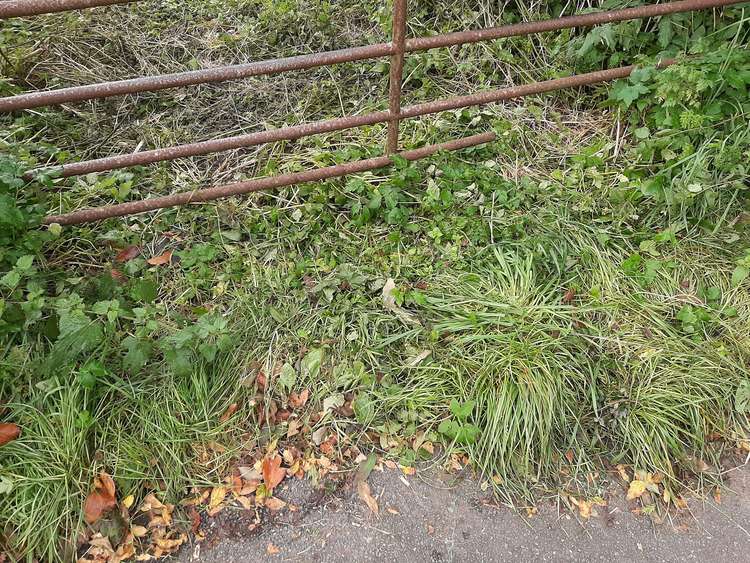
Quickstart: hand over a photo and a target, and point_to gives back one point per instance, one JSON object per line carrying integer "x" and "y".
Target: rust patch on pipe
{"x": 22, "y": 8}
{"x": 260, "y": 184}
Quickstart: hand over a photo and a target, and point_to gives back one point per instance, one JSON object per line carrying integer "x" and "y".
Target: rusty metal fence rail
{"x": 397, "y": 49}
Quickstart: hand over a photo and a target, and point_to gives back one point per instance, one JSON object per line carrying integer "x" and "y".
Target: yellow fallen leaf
{"x": 128, "y": 501}
{"x": 636, "y": 489}
{"x": 217, "y": 497}
{"x": 584, "y": 507}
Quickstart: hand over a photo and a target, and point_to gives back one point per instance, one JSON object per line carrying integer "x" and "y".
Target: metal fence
{"x": 397, "y": 49}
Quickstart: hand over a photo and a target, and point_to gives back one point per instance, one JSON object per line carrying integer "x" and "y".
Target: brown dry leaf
{"x": 139, "y": 531}
{"x": 274, "y": 504}
{"x": 8, "y": 432}
{"x": 127, "y": 254}
{"x": 623, "y": 473}
{"x": 569, "y": 456}
{"x": 165, "y": 258}
{"x": 392, "y": 510}
{"x": 272, "y": 549}
{"x": 228, "y": 413}
{"x": 218, "y": 494}
{"x": 294, "y": 428}
{"x": 569, "y": 296}
{"x": 298, "y": 401}
{"x": 717, "y": 495}
{"x": 100, "y": 500}
{"x": 363, "y": 490}
{"x": 273, "y": 474}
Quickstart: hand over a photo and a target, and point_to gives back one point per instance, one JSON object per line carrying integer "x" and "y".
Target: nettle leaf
{"x": 364, "y": 409}
{"x": 461, "y": 411}
{"x": 628, "y": 93}
{"x": 138, "y": 353}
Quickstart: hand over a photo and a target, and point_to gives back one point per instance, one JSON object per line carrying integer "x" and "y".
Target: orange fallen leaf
{"x": 8, "y": 432}
{"x": 274, "y": 504}
{"x": 100, "y": 500}
{"x": 165, "y": 258}
{"x": 298, "y": 401}
{"x": 127, "y": 254}
{"x": 273, "y": 474}
{"x": 272, "y": 549}
{"x": 363, "y": 490}
{"x": 247, "y": 503}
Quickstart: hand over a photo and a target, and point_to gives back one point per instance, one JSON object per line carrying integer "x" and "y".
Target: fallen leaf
{"x": 8, "y": 432}
{"x": 717, "y": 495}
{"x": 272, "y": 549}
{"x": 623, "y": 473}
{"x": 584, "y": 507}
{"x": 249, "y": 473}
{"x": 392, "y": 510}
{"x": 127, "y": 254}
{"x": 294, "y": 428}
{"x": 100, "y": 500}
{"x": 363, "y": 490}
{"x": 636, "y": 489}
{"x": 569, "y": 296}
{"x": 128, "y": 501}
{"x": 218, "y": 494}
{"x": 298, "y": 401}
{"x": 139, "y": 531}
{"x": 228, "y": 413}
{"x": 165, "y": 258}
{"x": 273, "y": 474}
{"x": 274, "y": 504}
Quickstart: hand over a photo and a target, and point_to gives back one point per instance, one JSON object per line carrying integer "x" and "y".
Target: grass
{"x": 548, "y": 295}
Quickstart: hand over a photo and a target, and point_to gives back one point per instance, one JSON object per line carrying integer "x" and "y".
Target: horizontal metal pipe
{"x": 259, "y": 184}
{"x": 524, "y": 90}
{"x": 21, "y": 8}
{"x": 301, "y": 62}
{"x": 583, "y": 20}
{"x": 327, "y": 126}
{"x": 191, "y": 78}
{"x": 219, "y": 145}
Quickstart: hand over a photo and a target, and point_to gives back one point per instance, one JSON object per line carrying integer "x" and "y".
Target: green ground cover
{"x": 569, "y": 297}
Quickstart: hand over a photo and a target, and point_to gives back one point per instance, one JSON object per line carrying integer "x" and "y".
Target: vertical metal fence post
{"x": 397, "y": 74}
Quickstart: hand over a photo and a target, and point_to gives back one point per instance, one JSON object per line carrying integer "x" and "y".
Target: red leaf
{"x": 569, "y": 296}
{"x": 127, "y": 254}
{"x": 298, "y": 401}
{"x": 165, "y": 258}
{"x": 273, "y": 474}
{"x": 8, "y": 432}
{"x": 101, "y": 500}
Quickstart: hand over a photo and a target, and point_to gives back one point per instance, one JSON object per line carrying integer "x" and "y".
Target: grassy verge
{"x": 569, "y": 297}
